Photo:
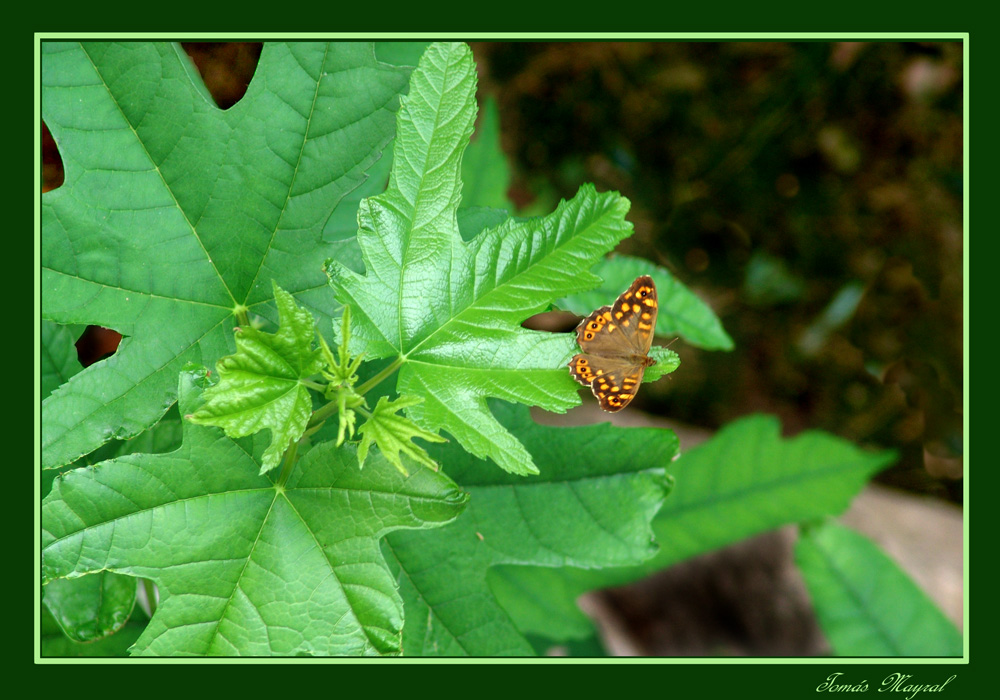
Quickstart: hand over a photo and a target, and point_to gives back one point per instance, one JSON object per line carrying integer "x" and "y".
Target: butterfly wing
{"x": 626, "y": 327}
{"x": 613, "y": 380}
{"x": 615, "y": 341}
{"x": 598, "y": 333}
{"x": 637, "y": 306}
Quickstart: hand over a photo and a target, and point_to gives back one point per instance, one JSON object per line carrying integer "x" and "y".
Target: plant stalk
{"x": 378, "y": 378}
{"x": 321, "y": 414}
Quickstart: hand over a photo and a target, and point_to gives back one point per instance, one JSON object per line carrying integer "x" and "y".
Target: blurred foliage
{"x": 811, "y": 192}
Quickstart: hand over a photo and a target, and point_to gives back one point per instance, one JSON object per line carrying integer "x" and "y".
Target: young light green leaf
{"x": 260, "y": 387}
{"x": 341, "y": 372}
{"x": 744, "y": 481}
{"x": 666, "y": 362}
{"x": 681, "y": 312}
{"x": 866, "y": 604}
{"x": 347, "y": 417}
{"x": 591, "y": 507}
{"x": 175, "y": 215}
{"x": 394, "y": 434}
{"x": 246, "y": 566}
{"x": 451, "y": 311}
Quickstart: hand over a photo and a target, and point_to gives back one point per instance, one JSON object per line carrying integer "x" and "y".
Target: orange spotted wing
{"x": 615, "y": 341}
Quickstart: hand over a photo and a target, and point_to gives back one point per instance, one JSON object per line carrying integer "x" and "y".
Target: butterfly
{"x": 615, "y": 341}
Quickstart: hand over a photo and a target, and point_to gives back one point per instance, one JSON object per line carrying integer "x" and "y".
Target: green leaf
{"x": 485, "y": 173}
{"x": 542, "y": 603}
{"x": 681, "y": 312}
{"x": 449, "y": 310}
{"x": 666, "y": 362}
{"x": 393, "y": 434}
{"x": 590, "y": 507}
{"x": 866, "y": 604}
{"x": 59, "y": 356}
{"x": 744, "y": 481}
{"x": 260, "y": 386}
{"x": 165, "y": 436}
{"x": 92, "y": 607}
{"x": 400, "y": 53}
{"x": 747, "y": 480}
{"x": 56, "y": 644}
{"x": 244, "y": 565}
{"x": 176, "y": 215}
{"x": 474, "y": 220}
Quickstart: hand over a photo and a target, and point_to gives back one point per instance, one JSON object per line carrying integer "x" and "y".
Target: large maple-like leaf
{"x": 450, "y": 311}
{"x": 591, "y": 507}
{"x": 176, "y": 215}
{"x": 246, "y": 565}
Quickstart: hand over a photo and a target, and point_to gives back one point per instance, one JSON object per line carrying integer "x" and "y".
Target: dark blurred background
{"x": 810, "y": 192}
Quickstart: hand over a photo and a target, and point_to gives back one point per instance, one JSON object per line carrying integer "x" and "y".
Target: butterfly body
{"x": 615, "y": 341}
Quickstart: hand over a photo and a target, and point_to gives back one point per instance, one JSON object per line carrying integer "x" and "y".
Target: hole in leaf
{"x": 226, "y": 67}
{"x": 96, "y": 344}
{"x": 52, "y": 166}
{"x": 552, "y": 321}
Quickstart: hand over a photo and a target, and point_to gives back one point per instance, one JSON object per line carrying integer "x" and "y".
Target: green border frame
{"x": 892, "y": 664}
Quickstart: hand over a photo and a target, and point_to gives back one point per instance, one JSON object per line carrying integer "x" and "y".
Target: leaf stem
{"x": 315, "y": 386}
{"x": 377, "y": 379}
{"x": 321, "y": 414}
{"x": 310, "y": 430}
